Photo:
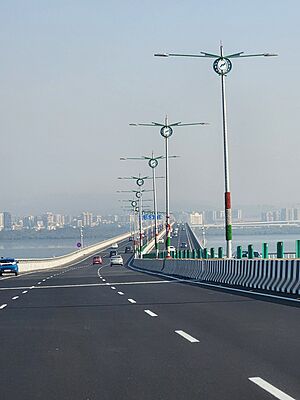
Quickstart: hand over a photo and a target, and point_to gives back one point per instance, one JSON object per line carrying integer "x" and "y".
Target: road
{"x": 84, "y": 333}
{"x": 182, "y": 237}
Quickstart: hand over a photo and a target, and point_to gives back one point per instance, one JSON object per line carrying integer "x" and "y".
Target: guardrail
{"x": 194, "y": 239}
{"x": 278, "y": 275}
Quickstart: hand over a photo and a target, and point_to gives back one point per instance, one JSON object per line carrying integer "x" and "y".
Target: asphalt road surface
{"x": 90, "y": 333}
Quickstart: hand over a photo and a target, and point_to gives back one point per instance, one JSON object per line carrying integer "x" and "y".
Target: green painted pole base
{"x": 220, "y": 252}
{"x": 280, "y": 250}
{"x": 265, "y": 250}
{"x": 297, "y": 248}
{"x": 212, "y": 252}
{"x": 250, "y": 251}
{"x": 239, "y": 252}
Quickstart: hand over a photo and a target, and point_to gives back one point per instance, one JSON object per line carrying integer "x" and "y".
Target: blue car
{"x": 9, "y": 265}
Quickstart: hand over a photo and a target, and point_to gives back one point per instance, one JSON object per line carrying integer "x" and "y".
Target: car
{"x": 184, "y": 245}
{"x": 128, "y": 249}
{"x": 172, "y": 248}
{"x": 116, "y": 260}
{"x": 97, "y": 260}
{"x": 131, "y": 238}
{"x": 161, "y": 240}
{"x": 114, "y": 246}
{"x": 9, "y": 265}
{"x": 113, "y": 253}
{"x": 245, "y": 254}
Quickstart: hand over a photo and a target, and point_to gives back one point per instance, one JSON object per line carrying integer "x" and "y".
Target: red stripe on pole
{"x": 227, "y": 200}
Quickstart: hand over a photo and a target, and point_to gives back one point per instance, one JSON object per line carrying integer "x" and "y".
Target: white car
{"x": 114, "y": 246}
{"x": 116, "y": 260}
{"x": 172, "y": 248}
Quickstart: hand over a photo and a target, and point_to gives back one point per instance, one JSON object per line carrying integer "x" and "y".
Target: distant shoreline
{"x": 104, "y": 231}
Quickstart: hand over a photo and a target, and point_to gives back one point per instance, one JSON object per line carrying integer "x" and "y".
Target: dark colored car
{"x": 9, "y": 265}
{"x": 97, "y": 260}
{"x": 183, "y": 245}
{"x": 128, "y": 249}
{"x": 113, "y": 253}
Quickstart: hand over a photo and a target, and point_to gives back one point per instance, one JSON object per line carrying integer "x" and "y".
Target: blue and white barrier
{"x": 279, "y": 275}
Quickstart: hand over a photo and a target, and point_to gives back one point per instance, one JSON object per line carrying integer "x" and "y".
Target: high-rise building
{"x": 28, "y": 222}
{"x": 237, "y": 214}
{"x": 5, "y": 220}
{"x": 287, "y": 214}
{"x": 87, "y": 219}
{"x": 196, "y": 218}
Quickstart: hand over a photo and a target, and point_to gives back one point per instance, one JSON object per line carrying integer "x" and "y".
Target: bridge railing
{"x": 70, "y": 258}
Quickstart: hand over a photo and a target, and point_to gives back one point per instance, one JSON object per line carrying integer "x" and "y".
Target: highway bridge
{"x": 115, "y": 333}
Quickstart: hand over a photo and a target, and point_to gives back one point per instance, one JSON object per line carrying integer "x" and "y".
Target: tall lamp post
{"x": 153, "y": 163}
{"x": 135, "y": 206}
{"x": 140, "y": 182}
{"x": 222, "y": 66}
{"x": 166, "y": 132}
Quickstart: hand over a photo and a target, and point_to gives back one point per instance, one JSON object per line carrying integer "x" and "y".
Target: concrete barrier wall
{"x": 195, "y": 241}
{"x": 68, "y": 259}
{"x": 272, "y": 275}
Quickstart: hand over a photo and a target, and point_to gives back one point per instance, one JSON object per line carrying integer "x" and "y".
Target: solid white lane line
{"x": 121, "y": 293}
{"x": 103, "y": 280}
{"x": 113, "y": 288}
{"x": 3, "y": 306}
{"x": 15, "y": 297}
{"x": 25, "y": 291}
{"x": 44, "y": 280}
{"x": 187, "y": 336}
{"x": 279, "y": 394}
{"x": 131, "y": 301}
{"x": 151, "y": 313}
{"x": 225, "y": 288}
{"x": 39, "y": 283}
{"x": 80, "y": 285}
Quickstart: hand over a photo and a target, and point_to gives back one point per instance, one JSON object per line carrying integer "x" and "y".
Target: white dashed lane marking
{"x": 279, "y": 394}
{"x": 25, "y": 291}
{"x": 3, "y": 306}
{"x": 151, "y": 313}
{"x": 131, "y": 301}
{"x": 187, "y": 336}
{"x": 121, "y": 293}
{"x": 113, "y": 288}
{"x": 15, "y": 297}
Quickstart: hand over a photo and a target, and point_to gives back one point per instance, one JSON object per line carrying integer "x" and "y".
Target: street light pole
{"x": 153, "y": 163}
{"x": 168, "y": 225}
{"x": 166, "y": 131}
{"x": 228, "y": 210}
{"x": 140, "y": 182}
{"x": 154, "y": 203}
{"x": 222, "y": 66}
{"x": 81, "y": 237}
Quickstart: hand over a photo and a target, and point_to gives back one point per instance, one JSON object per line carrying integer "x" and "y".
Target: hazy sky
{"x": 74, "y": 74}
